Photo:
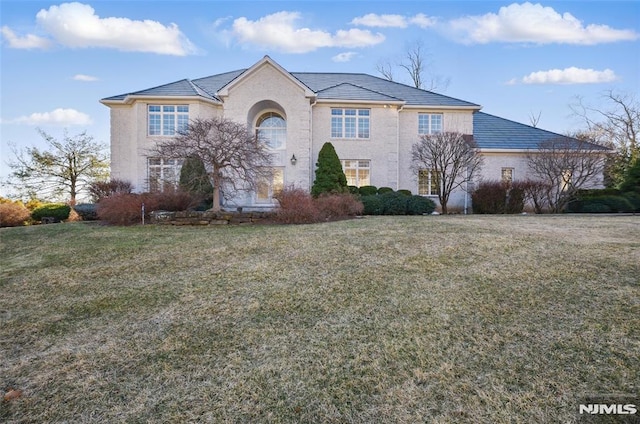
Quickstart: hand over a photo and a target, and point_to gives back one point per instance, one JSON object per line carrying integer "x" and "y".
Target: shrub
{"x": 515, "y": 197}
{"x": 394, "y": 203}
{"x": 372, "y": 204}
{"x": 383, "y": 190}
{"x": 634, "y": 200}
{"x": 419, "y": 205}
{"x": 353, "y": 189}
{"x": 195, "y": 180}
{"x": 102, "y": 189}
{"x": 405, "y": 192}
{"x": 616, "y": 203}
{"x": 87, "y": 211}
{"x": 296, "y": 207}
{"x": 121, "y": 209}
{"x": 13, "y": 214}
{"x": 632, "y": 178}
{"x": 169, "y": 201}
{"x": 595, "y": 206}
{"x": 489, "y": 197}
{"x": 336, "y": 206}
{"x": 57, "y": 211}
{"x": 368, "y": 190}
{"x": 330, "y": 177}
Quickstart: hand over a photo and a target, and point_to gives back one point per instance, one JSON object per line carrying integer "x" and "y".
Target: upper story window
{"x": 272, "y": 128}
{"x": 350, "y": 123}
{"x": 168, "y": 119}
{"x": 429, "y": 123}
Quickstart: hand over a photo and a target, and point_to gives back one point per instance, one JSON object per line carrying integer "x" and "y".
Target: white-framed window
{"x": 350, "y": 123}
{"x": 272, "y": 128}
{"x": 507, "y": 175}
{"x": 270, "y": 186}
{"x": 428, "y": 182}
{"x": 429, "y": 123}
{"x": 566, "y": 180}
{"x": 358, "y": 172}
{"x": 163, "y": 174}
{"x": 167, "y": 119}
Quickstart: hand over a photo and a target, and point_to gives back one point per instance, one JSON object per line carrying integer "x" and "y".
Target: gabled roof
{"x": 335, "y": 86}
{"x": 493, "y": 132}
{"x": 346, "y": 91}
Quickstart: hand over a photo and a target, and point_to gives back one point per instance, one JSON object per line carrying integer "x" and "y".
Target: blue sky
{"x": 516, "y": 59}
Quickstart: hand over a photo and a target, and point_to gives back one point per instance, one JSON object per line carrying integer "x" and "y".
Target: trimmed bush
{"x": 394, "y": 203}
{"x": 634, "y": 199}
{"x": 632, "y": 178}
{"x": 353, "y": 189}
{"x": 13, "y": 214}
{"x": 595, "y": 206}
{"x": 616, "y": 203}
{"x": 373, "y": 204}
{"x": 405, "y": 192}
{"x": 383, "y": 190}
{"x": 419, "y": 205}
{"x": 368, "y": 190}
{"x": 57, "y": 211}
{"x": 87, "y": 211}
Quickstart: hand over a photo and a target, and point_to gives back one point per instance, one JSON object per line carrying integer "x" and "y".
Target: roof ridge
{"x": 361, "y": 88}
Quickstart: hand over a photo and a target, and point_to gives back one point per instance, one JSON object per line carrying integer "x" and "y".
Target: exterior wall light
{"x": 294, "y": 159}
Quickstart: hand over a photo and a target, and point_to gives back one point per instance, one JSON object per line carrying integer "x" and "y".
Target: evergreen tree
{"x": 329, "y": 175}
{"x": 632, "y": 178}
{"x": 194, "y": 178}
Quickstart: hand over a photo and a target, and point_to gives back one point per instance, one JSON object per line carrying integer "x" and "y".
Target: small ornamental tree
{"x": 194, "y": 178}
{"x": 330, "y": 177}
{"x": 632, "y": 178}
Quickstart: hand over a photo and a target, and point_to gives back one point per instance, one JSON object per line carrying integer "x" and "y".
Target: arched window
{"x": 272, "y": 128}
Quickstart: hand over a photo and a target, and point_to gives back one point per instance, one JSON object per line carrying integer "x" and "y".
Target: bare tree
{"x": 63, "y": 171}
{"x": 534, "y": 119}
{"x": 236, "y": 159}
{"x": 565, "y": 165}
{"x": 453, "y": 157}
{"x": 385, "y": 68}
{"x": 415, "y": 62}
{"x": 617, "y": 126}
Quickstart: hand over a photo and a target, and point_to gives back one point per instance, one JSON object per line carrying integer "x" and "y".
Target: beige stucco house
{"x": 371, "y": 122}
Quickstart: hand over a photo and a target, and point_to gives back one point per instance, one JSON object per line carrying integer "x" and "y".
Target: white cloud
{"x": 29, "y": 41}
{"x": 76, "y": 25}
{"x": 533, "y": 23}
{"x": 86, "y": 78}
{"x": 344, "y": 57}
{"x": 279, "y": 31}
{"x": 570, "y": 75}
{"x": 61, "y": 117}
{"x": 393, "y": 21}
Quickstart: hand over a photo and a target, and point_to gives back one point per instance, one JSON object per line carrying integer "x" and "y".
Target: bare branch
{"x": 452, "y": 156}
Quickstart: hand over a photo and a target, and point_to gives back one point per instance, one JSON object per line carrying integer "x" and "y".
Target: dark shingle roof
{"x": 493, "y": 132}
{"x": 325, "y": 85}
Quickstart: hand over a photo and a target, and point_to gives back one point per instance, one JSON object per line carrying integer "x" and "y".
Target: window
{"x": 565, "y": 180}
{"x": 163, "y": 173}
{"x": 357, "y": 172}
{"x": 428, "y": 182}
{"x": 507, "y": 175}
{"x": 350, "y": 123}
{"x": 270, "y": 186}
{"x": 429, "y": 123}
{"x": 168, "y": 119}
{"x": 272, "y": 128}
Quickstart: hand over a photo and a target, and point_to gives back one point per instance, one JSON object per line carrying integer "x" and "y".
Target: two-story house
{"x": 372, "y": 123}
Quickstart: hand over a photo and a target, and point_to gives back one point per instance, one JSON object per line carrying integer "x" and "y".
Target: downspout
{"x": 466, "y": 190}
{"x": 398, "y": 148}
{"x": 311, "y": 143}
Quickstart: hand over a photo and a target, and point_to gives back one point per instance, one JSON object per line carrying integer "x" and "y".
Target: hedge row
{"x": 396, "y": 203}
{"x": 604, "y": 201}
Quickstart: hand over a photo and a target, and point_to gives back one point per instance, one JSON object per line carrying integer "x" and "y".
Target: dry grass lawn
{"x": 450, "y": 319}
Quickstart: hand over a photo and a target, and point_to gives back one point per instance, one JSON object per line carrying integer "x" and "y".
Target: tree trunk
{"x": 216, "y": 193}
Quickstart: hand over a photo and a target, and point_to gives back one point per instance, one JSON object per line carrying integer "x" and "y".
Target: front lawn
{"x": 449, "y": 319}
